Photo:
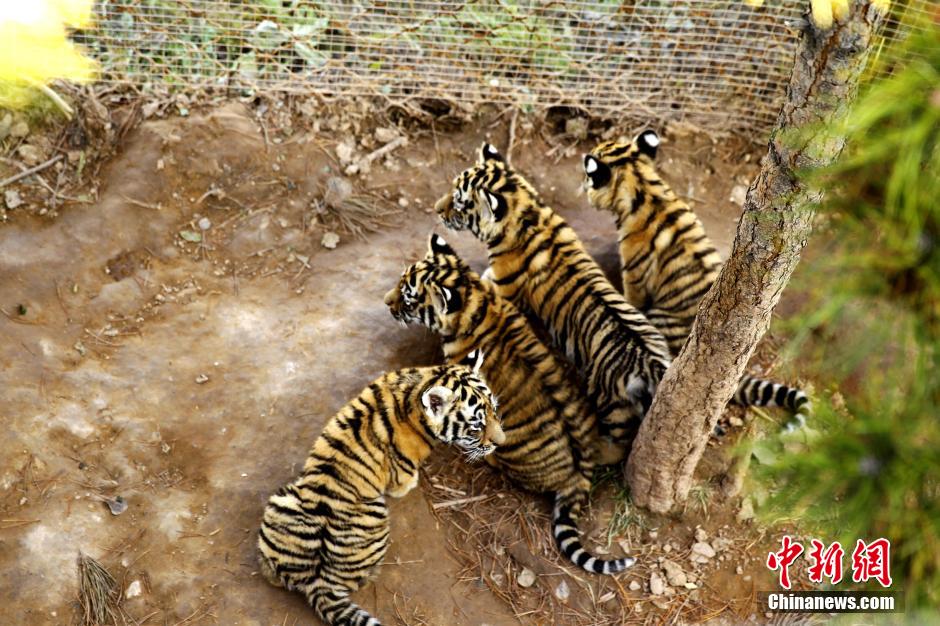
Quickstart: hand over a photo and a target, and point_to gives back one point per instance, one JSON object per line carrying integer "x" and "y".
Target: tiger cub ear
{"x": 437, "y": 245}
{"x": 488, "y": 152}
{"x": 648, "y": 141}
{"x": 597, "y": 171}
{"x": 473, "y": 360}
{"x": 436, "y": 401}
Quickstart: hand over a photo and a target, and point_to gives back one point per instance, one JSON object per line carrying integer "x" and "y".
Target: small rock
{"x": 701, "y": 552}
{"x": 720, "y": 544}
{"x": 657, "y": 584}
{"x": 735, "y": 421}
{"x": 747, "y": 510}
{"x": 700, "y": 534}
{"x": 344, "y": 152}
{"x": 674, "y": 574}
{"x": 12, "y": 198}
{"x": 667, "y": 548}
{"x": 526, "y": 577}
{"x": 30, "y": 154}
{"x": 19, "y": 129}
{"x": 204, "y": 223}
{"x": 562, "y": 591}
{"x": 607, "y": 597}
{"x": 202, "y": 379}
{"x": 690, "y": 586}
{"x": 133, "y": 590}
{"x": 385, "y": 135}
{"x": 654, "y": 534}
{"x": 634, "y": 585}
{"x": 329, "y": 240}
{"x": 116, "y": 505}
{"x": 738, "y": 195}
{"x": 739, "y": 570}
{"x": 403, "y": 202}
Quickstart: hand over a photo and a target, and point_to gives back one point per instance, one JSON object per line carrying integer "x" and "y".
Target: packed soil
{"x": 180, "y": 341}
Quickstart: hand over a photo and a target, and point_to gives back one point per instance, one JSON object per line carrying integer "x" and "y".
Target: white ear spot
{"x": 436, "y": 401}
{"x": 491, "y": 150}
{"x": 590, "y": 166}
{"x": 493, "y": 200}
{"x": 651, "y": 139}
{"x": 439, "y": 240}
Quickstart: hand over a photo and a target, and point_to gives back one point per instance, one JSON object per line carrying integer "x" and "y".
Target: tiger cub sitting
{"x": 537, "y": 261}
{"x": 326, "y": 531}
{"x": 550, "y": 429}
{"x": 667, "y": 260}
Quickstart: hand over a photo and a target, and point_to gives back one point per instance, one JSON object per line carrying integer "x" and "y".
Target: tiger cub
{"x": 538, "y": 262}
{"x": 550, "y": 429}
{"x": 667, "y": 261}
{"x": 326, "y": 531}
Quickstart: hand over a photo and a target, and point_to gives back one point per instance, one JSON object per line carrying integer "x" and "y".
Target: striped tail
{"x": 336, "y": 609}
{"x": 565, "y": 530}
{"x": 756, "y": 392}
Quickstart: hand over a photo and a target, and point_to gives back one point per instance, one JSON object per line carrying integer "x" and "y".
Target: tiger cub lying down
{"x": 538, "y": 262}
{"x": 325, "y": 532}
{"x": 667, "y": 260}
{"x": 550, "y": 429}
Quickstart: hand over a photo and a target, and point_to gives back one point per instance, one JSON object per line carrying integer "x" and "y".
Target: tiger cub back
{"x": 538, "y": 262}
{"x": 325, "y": 532}
{"x": 549, "y": 427}
{"x": 667, "y": 261}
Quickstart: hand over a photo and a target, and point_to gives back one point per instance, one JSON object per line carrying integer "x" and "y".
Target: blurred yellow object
{"x": 825, "y": 11}
{"x": 34, "y": 48}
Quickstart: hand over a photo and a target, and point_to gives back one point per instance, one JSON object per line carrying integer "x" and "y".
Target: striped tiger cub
{"x": 667, "y": 261}
{"x": 550, "y": 429}
{"x": 537, "y": 261}
{"x": 325, "y": 532}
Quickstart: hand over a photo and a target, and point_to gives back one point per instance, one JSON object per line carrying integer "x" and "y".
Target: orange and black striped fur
{"x": 550, "y": 428}
{"x": 324, "y": 533}
{"x": 667, "y": 261}
{"x": 538, "y": 262}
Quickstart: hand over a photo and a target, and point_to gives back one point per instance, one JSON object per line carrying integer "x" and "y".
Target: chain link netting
{"x": 722, "y": 65}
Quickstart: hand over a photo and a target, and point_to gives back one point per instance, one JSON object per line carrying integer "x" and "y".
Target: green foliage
{"x": 871, "y": 330}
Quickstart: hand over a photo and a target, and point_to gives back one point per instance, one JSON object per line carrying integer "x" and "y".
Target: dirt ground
{"x": 180, "y": 342}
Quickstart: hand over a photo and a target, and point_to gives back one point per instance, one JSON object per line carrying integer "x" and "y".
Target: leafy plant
{"x": 871, "y": 329}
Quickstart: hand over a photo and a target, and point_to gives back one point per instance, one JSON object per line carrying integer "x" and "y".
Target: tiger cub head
{"x": 461, "y": 409}
{"x": 434, "y": 291}
{"x": 616, "y": 172}
{"x": 490, "y": 199}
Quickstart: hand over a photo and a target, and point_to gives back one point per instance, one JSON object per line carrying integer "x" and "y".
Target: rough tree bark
{"x": 736, "y": 312}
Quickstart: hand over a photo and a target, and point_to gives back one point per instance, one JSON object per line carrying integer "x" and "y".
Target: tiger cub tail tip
{"x": 335, "y": 607}
{"x": 756, "y": 392}
{"x": 565, "y": 531}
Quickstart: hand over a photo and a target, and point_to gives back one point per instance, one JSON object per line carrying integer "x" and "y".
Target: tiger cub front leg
{"x": 403, "y": 488}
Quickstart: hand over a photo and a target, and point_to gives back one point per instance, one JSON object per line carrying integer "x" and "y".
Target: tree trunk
{"x": 736, "y": 312}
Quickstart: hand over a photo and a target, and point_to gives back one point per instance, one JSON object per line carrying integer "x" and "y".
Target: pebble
{"x": 30, "y": 154}
{"x": 657, "y": 584}
{"x": 202, "y": 379}
{"x": 329, "y": 240}
{"x": 385, "y": 135}
{"x": 634, "y": 585}
{"x": 739, "y": 570}
{"x": 403, "y": 202}
{"x": 674, "y": 574}
{"x": 12, "y": 199}
{"x": 738, "y": 195}
{"x": 701, "y": 552}
{"x": 20, "y": 129}
{"x": 526, "y": 577}
{"x": 133, "y": 590}
{"x": 204, "y": 223}
{"x": 654, "y": 534}
{"x": 700, "y": 534}
{"x": 562, "y": 592}
{"x": 344, "y": 152}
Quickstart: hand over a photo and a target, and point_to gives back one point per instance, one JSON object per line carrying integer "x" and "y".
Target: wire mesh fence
{"x": 718, "y": 64}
